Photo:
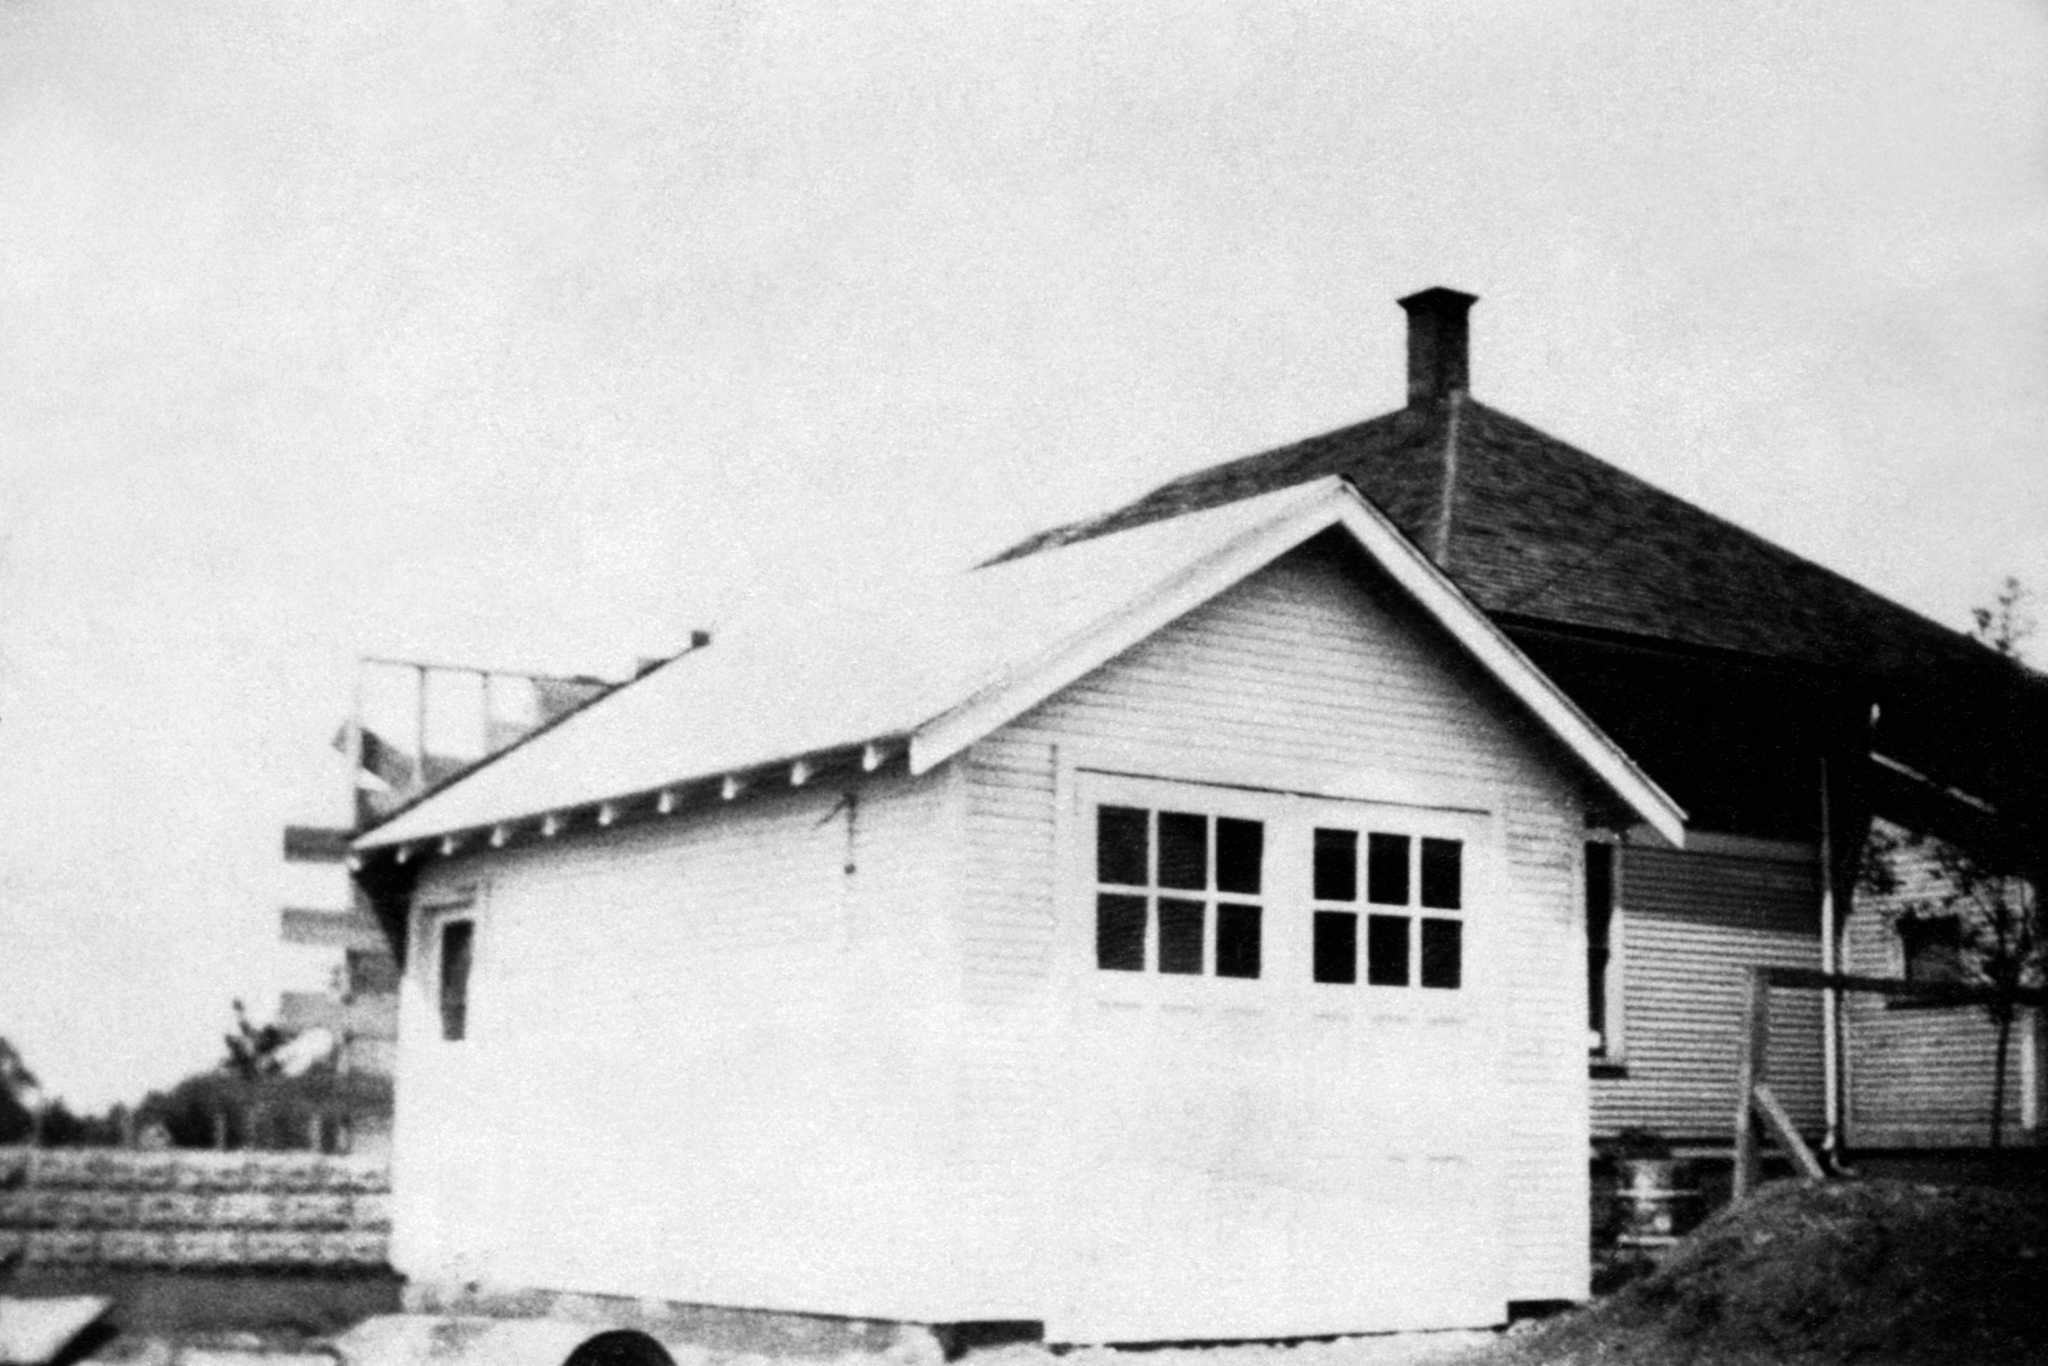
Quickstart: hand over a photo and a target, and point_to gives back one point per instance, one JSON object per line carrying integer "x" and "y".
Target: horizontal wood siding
{"x": 1690, "y": 926}
{"x": 1921, "y": 1076}
{"x": 1313, "y": 666}
{"x": 706, "y": 1061}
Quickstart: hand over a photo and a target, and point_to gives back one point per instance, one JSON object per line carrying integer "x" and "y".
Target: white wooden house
{"x": 1186, "y": 926}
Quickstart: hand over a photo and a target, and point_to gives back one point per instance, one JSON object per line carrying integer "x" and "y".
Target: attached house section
{"x": 1922, "y": 1075}
{"x": 1271, "y": 938}
{"x": 1683, "y": 931}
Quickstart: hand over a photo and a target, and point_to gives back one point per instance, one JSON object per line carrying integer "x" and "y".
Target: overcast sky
{"x": 538, "y": 334}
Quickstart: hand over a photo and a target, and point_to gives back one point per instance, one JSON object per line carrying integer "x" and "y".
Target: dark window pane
{"x": 457, "y": 940}
{"x": 1237, "y": 941}
{"x": 1599, "y": 930}
{"x": 1443, "y": 874}
{"x": 1120, "y": 933}
{"x": 1933, "y": 948}
{"x": 1120, "y": 845}
{"x": 1442, "y": 952}
{"x": 1386, "y": 950}
{"x": 1240, "y": 850}
{"x": 1180, "y": 935}
{"x": 1386, "y": 869}
{"x": 1336, "y": 946}
{"x": 1183, "y": 849}
{"x": 1336, "y": 865}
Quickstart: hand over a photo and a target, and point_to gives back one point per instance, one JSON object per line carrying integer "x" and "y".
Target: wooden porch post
{"x": 1749, "y": 1071}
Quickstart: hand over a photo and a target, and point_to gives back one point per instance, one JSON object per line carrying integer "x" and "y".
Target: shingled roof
{"x": 1543, "y": 535}
{"x": 1535, "y": 529}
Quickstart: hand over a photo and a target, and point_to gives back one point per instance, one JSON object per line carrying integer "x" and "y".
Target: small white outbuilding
{"x": 1173, "y": 935}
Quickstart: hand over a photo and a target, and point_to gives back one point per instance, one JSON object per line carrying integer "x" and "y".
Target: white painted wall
{"x": 704, "y": 1063}
{"x": 1310, "y": 675}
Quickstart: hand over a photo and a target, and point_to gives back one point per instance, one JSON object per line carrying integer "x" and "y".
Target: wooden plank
{"x": 1947, "y": 993}
{"x": 308, "y": 1010}
{"x": 367, "y": 1017}
{"x": 316, "y": 843}
{"x": 1788, "y": 1134}
{"x": 330, "y": 929}
{"x": 1756, "y": 1035}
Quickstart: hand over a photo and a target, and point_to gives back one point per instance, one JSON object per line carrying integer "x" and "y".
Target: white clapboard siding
{"x": 1309, "y": 667}
{"x": 705, "y": 1061}
{"x": 1690, "y": 926}
{"x": 1921, "y": 1076}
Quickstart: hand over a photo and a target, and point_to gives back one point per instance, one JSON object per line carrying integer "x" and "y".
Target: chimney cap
{"x": 1438, "y": 299}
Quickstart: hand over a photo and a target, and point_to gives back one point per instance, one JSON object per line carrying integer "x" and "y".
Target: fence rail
{"x": 1757, "y": 1105}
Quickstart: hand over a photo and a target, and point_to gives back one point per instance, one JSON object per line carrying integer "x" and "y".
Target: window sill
{"x": 1604, "y": 1069}
{"x": 1910, "y": 1003}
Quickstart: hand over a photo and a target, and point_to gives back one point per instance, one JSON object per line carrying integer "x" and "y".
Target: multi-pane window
{"x": 1373, "y": 892}
{"x": 1178, "y": 892}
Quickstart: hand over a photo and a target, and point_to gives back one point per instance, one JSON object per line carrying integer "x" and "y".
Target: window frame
{"x": 432, "y": 916}
{"x": 1609, "y": 1045}
{"x": 1929, "y": 930}
{"x": 1158, "y": 802}
{"x": 453, "y": 1028}
{"x": 1373, "y": 916}
{"x": 1103, "y": 773}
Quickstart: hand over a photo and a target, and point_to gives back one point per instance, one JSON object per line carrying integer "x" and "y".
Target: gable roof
{"x": 936, "y": 668}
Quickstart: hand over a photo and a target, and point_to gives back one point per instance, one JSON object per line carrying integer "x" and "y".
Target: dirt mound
{"x": 1864, "y": 1271}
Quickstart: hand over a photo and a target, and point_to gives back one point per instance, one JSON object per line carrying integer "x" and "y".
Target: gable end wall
{"x": 1313, "y": 667}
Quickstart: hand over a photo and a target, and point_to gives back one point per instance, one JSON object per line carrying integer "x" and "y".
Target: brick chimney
{"x": 1438, "y": 361}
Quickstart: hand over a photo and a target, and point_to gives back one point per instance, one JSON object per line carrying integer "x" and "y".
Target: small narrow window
{"x": 1443, "y": 874}
{"x": 1120, "y": 932}
{"x": 1933, "y": 947}
{"x": 1237, "y": 941}
{"x": 1386, "y": 873}
{"x": 1336, "y": 865}
{"x": 457, "y": 941}
{"x": 1442, "y": 952}
{"x": 1386, "y": 950}
{"x": 1336, "y": 946}
{"x": 1599, "y": 933}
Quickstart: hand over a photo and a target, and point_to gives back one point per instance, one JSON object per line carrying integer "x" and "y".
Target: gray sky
{"x": 538, "y": 334}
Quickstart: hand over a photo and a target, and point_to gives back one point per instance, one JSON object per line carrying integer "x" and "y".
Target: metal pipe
{"x": 419, "y": 770}
{"x": 1831, "y": 999}
{"x": 355, "y": 748}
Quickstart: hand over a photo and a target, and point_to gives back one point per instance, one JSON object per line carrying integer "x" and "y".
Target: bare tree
{"x": 18, "y": 1087}
{"x": 1988, "y": 891}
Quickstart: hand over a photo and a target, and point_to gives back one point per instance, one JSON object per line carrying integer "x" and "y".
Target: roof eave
{"x": 781, "y": 773}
